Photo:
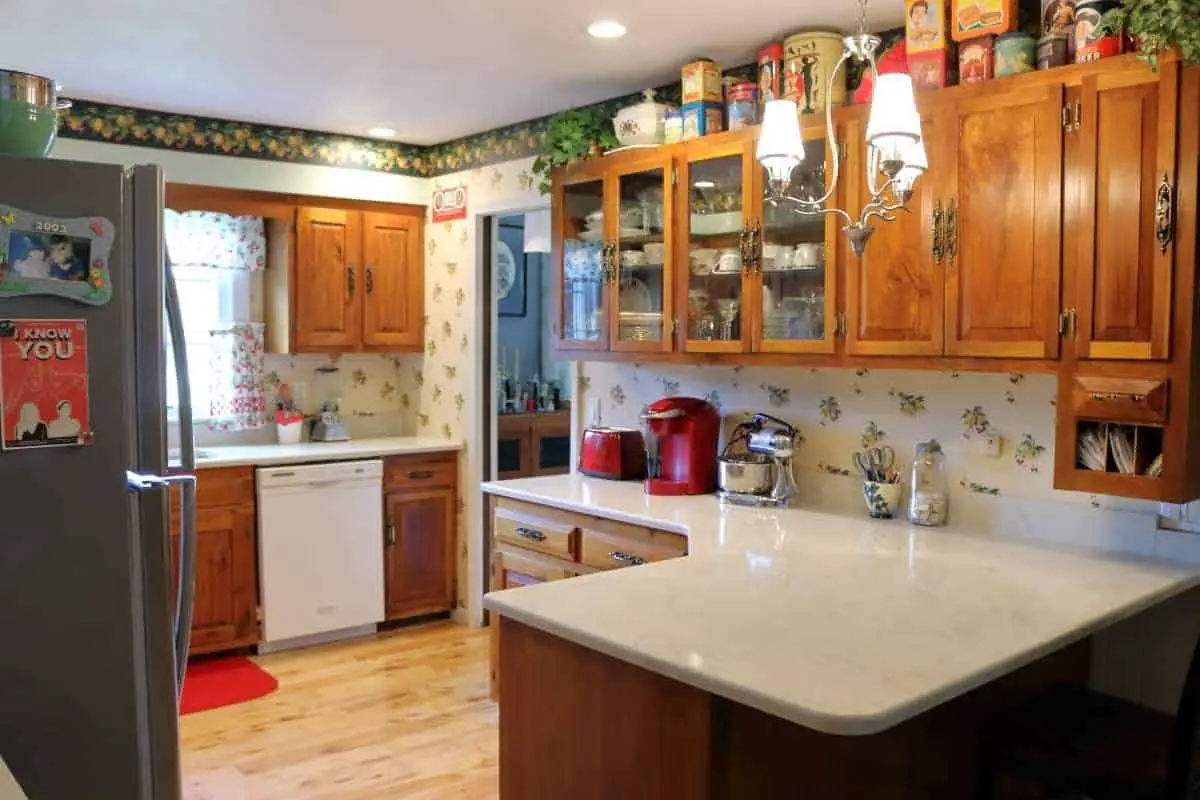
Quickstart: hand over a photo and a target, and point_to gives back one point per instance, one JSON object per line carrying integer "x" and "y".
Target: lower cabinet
{"x": 533, "y": 544}
{"x": 420, "y": 535}
{"x": 225, "y": 612}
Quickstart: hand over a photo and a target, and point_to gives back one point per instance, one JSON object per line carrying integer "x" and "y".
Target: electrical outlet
{"x": 992, "y": 445}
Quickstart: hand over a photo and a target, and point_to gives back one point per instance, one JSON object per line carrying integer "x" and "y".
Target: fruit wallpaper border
{"x": 141, "y": 127}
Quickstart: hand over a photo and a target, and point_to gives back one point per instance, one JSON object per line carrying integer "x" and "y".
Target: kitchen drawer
{"x": 540, "y": 532}
{"x": 420, "y": 472}
{"x": 510, "y": 570}
{"x": 1136, "y": 400}
{"x": 611, "y": 545}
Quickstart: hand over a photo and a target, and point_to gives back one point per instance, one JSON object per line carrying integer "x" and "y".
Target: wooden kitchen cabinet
{"x": 1000, "y": 160}
{"x": 420, "y": 534}
{"x": 225, "y": 613}
{"x": 1124, "y": 124}
{"x": 359, "y": 281}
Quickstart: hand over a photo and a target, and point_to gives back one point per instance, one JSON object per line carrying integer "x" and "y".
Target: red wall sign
{"x": 450, "y": 204}
{"x": 44, "y": 383}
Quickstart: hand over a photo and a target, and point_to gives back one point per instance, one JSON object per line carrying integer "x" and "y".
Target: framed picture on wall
{"x": 510, "y": 281}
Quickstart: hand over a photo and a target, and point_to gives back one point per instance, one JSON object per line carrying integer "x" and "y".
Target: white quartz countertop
{"x": 844, "y": 625}
{"x": 265, "y": 455}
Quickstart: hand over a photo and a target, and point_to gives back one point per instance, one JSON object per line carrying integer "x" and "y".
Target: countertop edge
{"x": 825, "y": 722}
{"x": 499, "y": 490}
{"x": 333, "y": 454}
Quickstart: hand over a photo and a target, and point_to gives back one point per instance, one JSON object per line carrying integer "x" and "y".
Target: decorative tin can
{"x": 972, "y": 18}
{"x": 742, "y": 106}
{"x": 1058, "y": 17}
{"x": 673, "y": 126}
{"x": 1015, "y": 54}
{"x": 976, "y": 59}
{"x": 770, "y": 72}
{"x": 701, "y": 82}
{"x": 701, "y": 119}
{"x": 932, "y": 70}
{"x": 809, "y": 59}
{"x": 1052, "y": 51}
{"x": 926, "y": 24}
{"x": 1091, "y": 42}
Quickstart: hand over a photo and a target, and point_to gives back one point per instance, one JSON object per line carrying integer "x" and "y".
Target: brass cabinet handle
{"x": 532, "y": 534}
{"x": 1108, "y": 397}
{"x": 1164, "y": 214}
{"x": 935, "y": 233}
{"x": 609, "y": 262}
{"x": 420, "y": 474}
{"x": 391, "y": 533}
{"x": 627, "y": 559}
{"x": 1077, "y": 121}
{"x": 351, "y": 279}
{"x": 951, "y": 231}
{"x": 370, "y": 279}
{"x": 756, "y": 246}
{"x": 744, "y": 246}
{"x": 1062, "y": 322}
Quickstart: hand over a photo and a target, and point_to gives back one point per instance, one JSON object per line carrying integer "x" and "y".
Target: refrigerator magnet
{"x": 63, "y": 257}
{"x": 44, "y": 390}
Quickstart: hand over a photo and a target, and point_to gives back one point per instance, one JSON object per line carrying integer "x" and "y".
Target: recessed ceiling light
{"x": 705, "y": 184}
{"x": 606, "y": 29}
{"x": 382, "y": 133}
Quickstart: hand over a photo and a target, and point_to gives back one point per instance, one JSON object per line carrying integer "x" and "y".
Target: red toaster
{"x": 618, "y": 454}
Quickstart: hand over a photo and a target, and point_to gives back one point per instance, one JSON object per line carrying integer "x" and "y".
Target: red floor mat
{"x": 224, "y": 682}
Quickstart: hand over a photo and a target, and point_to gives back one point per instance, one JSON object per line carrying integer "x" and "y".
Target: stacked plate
{"x": 633, "y": 326}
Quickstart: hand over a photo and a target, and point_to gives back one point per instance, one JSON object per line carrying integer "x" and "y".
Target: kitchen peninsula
{"x": 788, "y": 651}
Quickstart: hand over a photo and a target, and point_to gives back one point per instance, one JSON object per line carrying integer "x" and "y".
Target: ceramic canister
{"x": 770, "y": 72}
{"x": 741, "y": 108}
{"x": 1015, "y": 53}
{"x": 809, "y": 60}
{"x": 1091, "y": 44}
{"x": 976, "y": 59}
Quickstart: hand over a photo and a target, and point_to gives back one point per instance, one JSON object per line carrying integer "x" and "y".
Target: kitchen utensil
{"x": 776, "y": 440}
{"x": 775, "y": 257}
{"x": 1093, "y": 450}
{"x": 632, "y": 258}
{"x": 636, "y": 297}
{"x": 681, "y": 446}
{"x": 1120, "y": 440}
{"x": 697, "y": 300}
{"x": 29, "y": 107}
{"x": 655, "y": 252}
{"x": 633, "y": 218}
{"x": 875, "y": 463}
{"x": 1155, "y": 468}
{"x": 808, "y": 255}
{"x": 727, "y": 311}
{"x": 703, "y": 260}
{"x": 595, "y": 219}
{"x": 746, "y": 474}
{"x": 640, "y": 326}
{"x": 728, "y": 260}
{"x": 882, "y": 499}
{"x": 930, "y": 501}
{"x": 617, "y": 454}
{"x": 705, "y": 328}
{"x": 716, "y": 223}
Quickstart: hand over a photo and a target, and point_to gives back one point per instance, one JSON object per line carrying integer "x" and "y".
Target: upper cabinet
{"x": 1000, "y": 162}
{"x": 358, "y": 281}
{"x": 1124, "y": 134}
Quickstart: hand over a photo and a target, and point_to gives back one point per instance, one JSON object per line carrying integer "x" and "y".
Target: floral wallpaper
{"x": 842, "y": 412}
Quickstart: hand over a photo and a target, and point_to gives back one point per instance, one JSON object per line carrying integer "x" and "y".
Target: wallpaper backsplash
{"x": 839, "y": 412}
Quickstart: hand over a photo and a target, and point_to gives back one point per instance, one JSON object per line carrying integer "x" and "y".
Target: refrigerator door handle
{"x": 187, "y": 504}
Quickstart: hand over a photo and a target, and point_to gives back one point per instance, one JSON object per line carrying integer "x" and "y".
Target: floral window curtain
{"x": 218, "y": 241}
{"x": 239, "y": 400}
{"x": 201, "y": 241}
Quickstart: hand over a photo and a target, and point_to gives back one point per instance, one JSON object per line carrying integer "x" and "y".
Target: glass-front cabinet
{"x": 638, "y": 208}
{"x": 581, "y": 253}
{"x": 716, "y": 182}
{"x": 794, "y": 296}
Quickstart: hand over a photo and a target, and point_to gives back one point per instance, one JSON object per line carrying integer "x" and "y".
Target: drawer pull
{"x": 420, "y": 475}
{"x": 1107, "y": 397}
{"x": 628, "y": 559}
{"x": 531, "y": 533}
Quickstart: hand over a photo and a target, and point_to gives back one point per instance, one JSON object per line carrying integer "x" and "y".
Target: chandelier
{"x": 895, "y": 149}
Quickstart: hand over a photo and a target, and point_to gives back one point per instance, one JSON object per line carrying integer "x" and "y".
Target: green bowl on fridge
{"x": 26, "y": 129}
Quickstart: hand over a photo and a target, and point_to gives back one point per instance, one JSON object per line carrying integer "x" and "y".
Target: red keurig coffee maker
{"x": 681, "y": 446}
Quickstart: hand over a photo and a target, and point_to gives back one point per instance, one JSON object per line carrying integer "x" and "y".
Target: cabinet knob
{"x": 532, "y": 534}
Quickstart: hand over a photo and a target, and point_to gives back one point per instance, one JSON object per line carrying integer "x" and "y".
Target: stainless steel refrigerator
{"x": 93, "y": 639}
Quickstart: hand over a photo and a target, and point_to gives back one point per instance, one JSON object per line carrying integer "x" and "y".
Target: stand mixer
{"x": 765, "y": 477}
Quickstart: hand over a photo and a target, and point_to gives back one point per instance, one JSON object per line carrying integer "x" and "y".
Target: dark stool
{"x": 1076, "y": 743}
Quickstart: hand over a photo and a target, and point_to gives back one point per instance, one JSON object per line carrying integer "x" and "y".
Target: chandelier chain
{"x": 862, "y": 16}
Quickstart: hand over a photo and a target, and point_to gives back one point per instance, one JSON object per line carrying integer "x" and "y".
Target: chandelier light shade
{"x": 780, "y": 145}
{"x": 895, "y": 149}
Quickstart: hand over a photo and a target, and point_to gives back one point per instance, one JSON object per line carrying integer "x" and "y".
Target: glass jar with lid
{"x": 929, "y": 503}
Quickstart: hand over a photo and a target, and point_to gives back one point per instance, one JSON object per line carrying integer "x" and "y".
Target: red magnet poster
{"x": 44, "y": 383}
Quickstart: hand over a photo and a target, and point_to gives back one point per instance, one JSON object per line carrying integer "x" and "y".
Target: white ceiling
{"x": 431, "y": 70}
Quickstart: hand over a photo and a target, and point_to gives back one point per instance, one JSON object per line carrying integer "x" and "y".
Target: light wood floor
{"x": 402, "y": 715}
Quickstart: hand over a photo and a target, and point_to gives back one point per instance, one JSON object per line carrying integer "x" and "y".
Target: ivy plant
{"x": 1159, "y": 25}
{"x": 570, "y": 136}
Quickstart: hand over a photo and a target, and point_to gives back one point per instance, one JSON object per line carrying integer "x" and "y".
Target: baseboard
{"x": 325, "y": 637}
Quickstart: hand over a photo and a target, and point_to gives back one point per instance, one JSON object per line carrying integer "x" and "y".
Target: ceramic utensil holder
{"x": 882, "y": 499}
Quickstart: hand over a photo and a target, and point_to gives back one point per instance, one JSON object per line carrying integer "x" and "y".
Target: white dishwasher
{"x": 320, "y": 552}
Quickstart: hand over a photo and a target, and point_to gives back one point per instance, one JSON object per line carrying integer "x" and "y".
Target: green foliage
{"x": 1159, "y": 25}
{"x": 571, "y": 136}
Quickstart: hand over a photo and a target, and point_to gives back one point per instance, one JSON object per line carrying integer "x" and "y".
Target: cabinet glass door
{"x": 579, "y": 213}
{"x": 796, "y": 310}
{"x": 640, "y": 209}
{"x": 717, "y": 241}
